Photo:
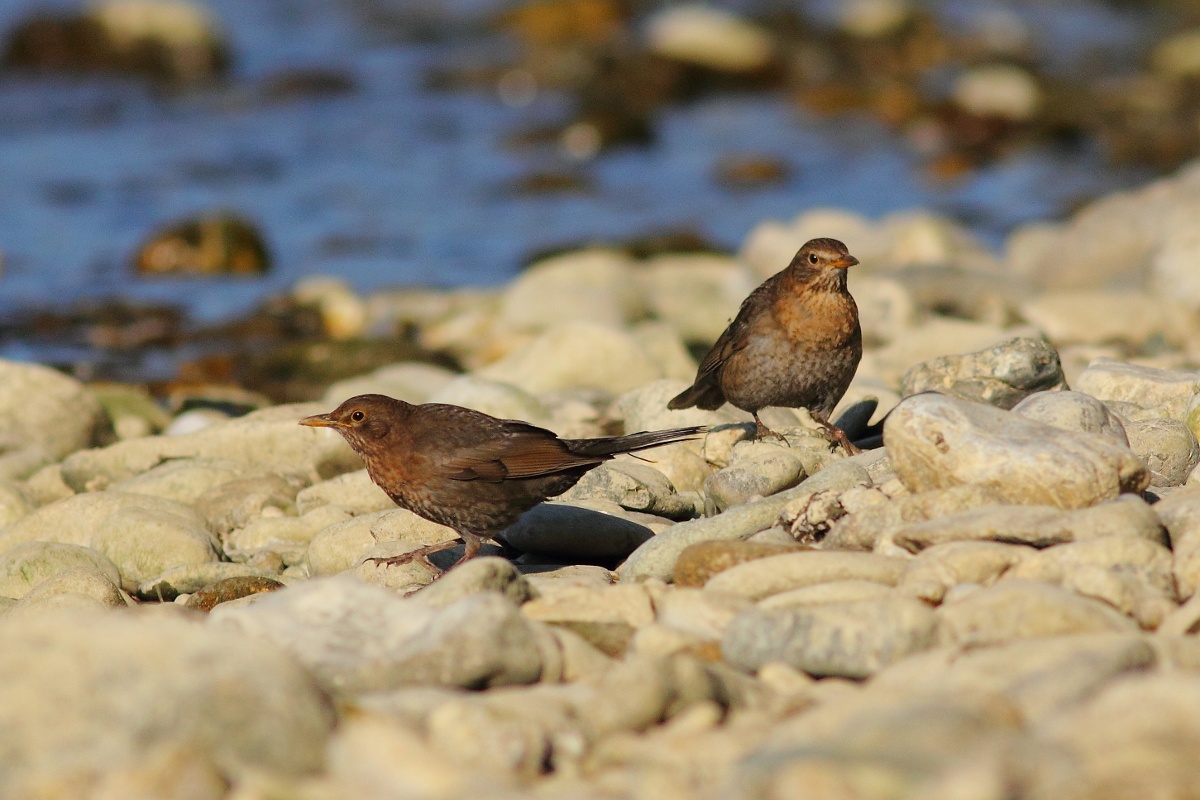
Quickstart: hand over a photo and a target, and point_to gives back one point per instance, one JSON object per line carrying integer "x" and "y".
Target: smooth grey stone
{"x": 75, "y": 519}
{"x": 342, "y": 545}
{"x": 354, "y": 491}
{"x": 14, "y": 503}
{"x": 1110, "y": 380}
{"x": 185, "y": 480}
{"x": 88, "y": 691}
{"x": 637, "y": 487}
{"x": 1132, "y": 575}
{"x": 766, "y": 472}
{"x": 25, "y": 566}
{"x": 656, "y": 558}
{"x": 1136, "y": 736}
{"x": 938, "y": 569}
{"x": 852, "y": 640}
{"x": 1000, "y": 376}
{"x": 355, "y": 637}
{"x": 79, "y": 588}
{"x": 1073, "y": 411}
{"x": 144, "y": 543}
{"x": 1040, "y": 676}
{"x": 63, "y": 417}
{"x": 271, "y": 439}
{"x": 864, "y": 529}
{"x": 763, "y": 577}
{"x": 575, "y": 531}
{"x": 1020, "y": 609}
{"x": 1168, "y": 448}
{"x": 936, "y": 442}
{"x": 1180, "y": 513}
{"x": 483, "y": 574}
{"x": 232, "y": 505}
{"x": 1037, "y": 526}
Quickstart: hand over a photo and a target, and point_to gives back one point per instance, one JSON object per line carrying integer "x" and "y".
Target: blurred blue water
{"x": 418, "y": 178}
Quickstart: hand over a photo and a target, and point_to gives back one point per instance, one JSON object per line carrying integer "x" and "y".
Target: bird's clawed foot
{"x": 761, "y": 431}
{"x": 412, "y": 556}
{"x": 837, "y": 436}
{"x": 472, "y": 544}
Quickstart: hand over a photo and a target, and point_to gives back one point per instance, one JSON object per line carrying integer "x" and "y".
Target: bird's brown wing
{"x": 521, "y": 451}
{"x": 736, "y": 336}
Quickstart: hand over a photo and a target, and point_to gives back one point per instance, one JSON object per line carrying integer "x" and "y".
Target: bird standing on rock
{"x": 467, "y": 470}
{"x": 795, "y": 342}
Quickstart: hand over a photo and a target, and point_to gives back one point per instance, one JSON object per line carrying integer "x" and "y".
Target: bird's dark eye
{"x": 357, "y": 416}
{"x": 812, "y": 258}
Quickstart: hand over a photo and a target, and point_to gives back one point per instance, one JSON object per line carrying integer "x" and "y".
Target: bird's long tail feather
{"x": 631, "y": 442}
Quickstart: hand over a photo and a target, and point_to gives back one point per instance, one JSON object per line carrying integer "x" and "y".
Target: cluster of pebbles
{"x": 999, "y": 602}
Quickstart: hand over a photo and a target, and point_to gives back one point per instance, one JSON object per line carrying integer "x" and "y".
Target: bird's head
{"x": 364, "y": 421}
{"x": 823, "y": 261}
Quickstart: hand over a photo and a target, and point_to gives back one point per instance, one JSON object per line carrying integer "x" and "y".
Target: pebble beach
{"x": 997, "y": 602}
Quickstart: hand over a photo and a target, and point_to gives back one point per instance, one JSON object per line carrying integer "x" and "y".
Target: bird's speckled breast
{"x": 810, "y": 366}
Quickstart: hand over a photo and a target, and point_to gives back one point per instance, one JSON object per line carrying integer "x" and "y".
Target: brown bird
{"x": 467, "y": 470}
{"x": 795, "y": 342}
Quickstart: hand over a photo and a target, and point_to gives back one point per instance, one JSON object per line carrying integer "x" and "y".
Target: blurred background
{"x": 170, "y": 171}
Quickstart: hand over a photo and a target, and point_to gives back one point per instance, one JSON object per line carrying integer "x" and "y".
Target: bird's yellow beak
{"x": 843, "y": 263}
{"x": 319, "y": 421}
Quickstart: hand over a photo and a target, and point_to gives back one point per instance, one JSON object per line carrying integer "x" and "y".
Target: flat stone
{"x": 14, "y": 503}
{"x": 1139, "y": 731}
{"x": 496, "y": 397}
{"x": 1146, "y": 562}
{"x": 941, "y": 567}
{"x": 1040, "y": 676}
{"x": 288, "y": 537}
{"x": 144, "y": 543}
{"x": 762, "y": 475}
{"x": 656, "y": 558}
{"x": 1073, "y": 411}
{"x": 699, "y": 562}
{"x": 810, "y": 520}
{"x": 185, "y": 480}
{"x": 83, "y": 693}
{"x": 75, "y": 519}
{"x": 575, "y": 531}
{"x": 233, "y": 505}
{"x": 635, "y": 486}
{"x": 354, "y": 491}
{"x": 1022, "y": 609}
{"x": 1037, "y": 526}
{"x": 270, "y": 439}
{"x": 852, "y": 640}
{"x": 755, "y": 580}
{"x": 847, "y": 591}
{"x": 342, "y": 546}
{"x": 703, "y": 614}
{"x": 354, "y": 637}
{"x": 1110, "y": 380}
{"x": 83, "y": 586}
{"x": 65, "y": 418}
{"x": 24, "y": 567}
{"x": 576, "y": 354}
{"x": 484, "y": 574}
{"x": 1000, "y": 376}
{"x": 1180, "y": 513}
{"x": 1168, "y": 448}
{"x": 936, "y": 442}
{"x": 864, "y": 529}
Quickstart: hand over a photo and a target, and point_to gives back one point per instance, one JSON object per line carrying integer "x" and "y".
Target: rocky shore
{"x": 999, "y": 602}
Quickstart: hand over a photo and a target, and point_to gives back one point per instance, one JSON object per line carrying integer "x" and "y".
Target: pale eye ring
{"x": 357, "y": 416}
{"x": 812, "y": 258}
